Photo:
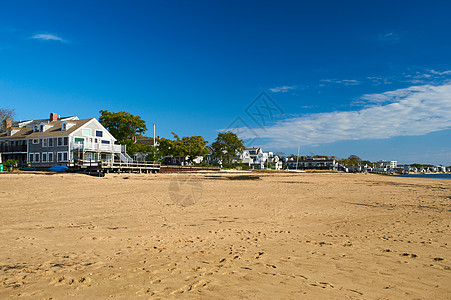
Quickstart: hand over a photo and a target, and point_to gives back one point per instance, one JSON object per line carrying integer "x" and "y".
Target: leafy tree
{"x": 354, "y": 158}
{"x": 122, "y": 125}
{"x": 194, "y": 146}
{"x": 178, "y": 148}
{"x": 165, "y": 147}
{"x": 226, "y": 146}
{"x": 132, "y": 147}
{"x": 154, "y": 154}
{"x": 188, "y": 147}
{"x": 5, "y": 114}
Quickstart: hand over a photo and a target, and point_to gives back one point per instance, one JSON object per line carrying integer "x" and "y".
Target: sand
{"x": 285, "y": 236}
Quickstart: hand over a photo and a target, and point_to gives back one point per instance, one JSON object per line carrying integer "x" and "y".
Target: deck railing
{"x": 19, "y": 148}
{"x": 130, "y": 165}
{"x": 97, "y": 147}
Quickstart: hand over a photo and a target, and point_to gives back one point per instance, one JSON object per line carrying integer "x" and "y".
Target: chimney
{"x": 53, "y": 117}
{"x": 7, "y": 124}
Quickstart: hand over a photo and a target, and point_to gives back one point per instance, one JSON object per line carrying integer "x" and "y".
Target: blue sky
{"x": 371, "y": 78}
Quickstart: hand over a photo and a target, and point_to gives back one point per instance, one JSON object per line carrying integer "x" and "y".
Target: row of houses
{"x": 71, "y": 141}
{"x": 384, "y": 166}
{"x": 44, "y": 143}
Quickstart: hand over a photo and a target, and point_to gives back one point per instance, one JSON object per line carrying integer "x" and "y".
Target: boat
{"x": 27, "y": 169}
{"x": 58, "y": 169}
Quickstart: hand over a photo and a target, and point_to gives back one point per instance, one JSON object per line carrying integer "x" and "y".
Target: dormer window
{"x": 35, "y": 128}
{"x": 41, "y": 128}
{"x": 11, "y": 131}
{"x": 65, "y": 126}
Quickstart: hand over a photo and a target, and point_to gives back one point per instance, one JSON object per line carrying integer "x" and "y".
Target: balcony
{"x": 97, "y": 147}
{"x": 13, "y": 149}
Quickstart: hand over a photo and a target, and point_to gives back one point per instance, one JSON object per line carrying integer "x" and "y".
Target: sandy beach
{"x": 224, "y": 236}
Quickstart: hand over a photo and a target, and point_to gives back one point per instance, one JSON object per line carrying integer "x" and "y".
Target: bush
{"x": 11, "y": 163}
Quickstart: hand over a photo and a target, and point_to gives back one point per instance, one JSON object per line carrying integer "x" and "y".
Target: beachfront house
{"x": 255, "y": 158}
{"x": 66, "y": 141}
{"x": 319, "y": 163}
{"x": 389, "y": 165}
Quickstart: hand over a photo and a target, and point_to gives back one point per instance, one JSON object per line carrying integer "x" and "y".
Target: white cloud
{"x": 346, "y": 82}
{"x": 377, "y": 80}
{"x": 282, "y": 89}
{"x": 47, "y": 37}
{"x": 413, "y": 111}
{"x": 440, "y": 73}
{"x": 388, "y": 37}
{"x": 427, "y": 77}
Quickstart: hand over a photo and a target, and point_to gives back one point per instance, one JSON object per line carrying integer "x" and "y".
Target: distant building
{"x": 255, "y": 158}
{"x": 390, "y": 165}
{"x": 313, "y": 163}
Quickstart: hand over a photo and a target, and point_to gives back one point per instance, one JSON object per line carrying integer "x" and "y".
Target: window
{"x": 35, "y": 128}
{"x": 59, "y": 156}
{"x": 41, "y": 128}
{"x": 96, "y": 140}
{"x": 63, "y": 126}
{"x": 99, "y": 133}
{"x": 50, "y": 143}
{"x": 79, "y": 140}
{"x": 65, "y": 141}
{"x": 105, "y": 142}
{"x": 36, "y": 157}
{"x": 35, "y": 141}
{"x": 60, "y": 141}
{"x": 64, "y": 156}
{"x": 31, "y": 157}
{"x": 50, "y": 157}
{"x": 44, "y": 142}
{"x": 86, "y": 131}
{"x": 44, "y": 157}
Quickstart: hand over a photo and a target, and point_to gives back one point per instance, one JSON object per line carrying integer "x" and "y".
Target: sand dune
{"x": 227, "y": 236}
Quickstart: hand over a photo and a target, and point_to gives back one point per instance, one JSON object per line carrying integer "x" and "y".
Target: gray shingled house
{"x": 66, "y": 141}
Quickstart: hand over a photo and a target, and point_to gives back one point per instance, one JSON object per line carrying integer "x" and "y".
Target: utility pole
{"x": 154, "y": 134}
{"x": 297, "y": 157}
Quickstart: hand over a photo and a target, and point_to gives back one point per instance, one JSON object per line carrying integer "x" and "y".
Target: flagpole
{"x": 297, "y": 157}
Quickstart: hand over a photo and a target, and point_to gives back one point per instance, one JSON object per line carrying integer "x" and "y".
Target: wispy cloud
{"x": 346, "y": 82}
{"x": 413, "y": 111}
{"x": 377, "y": 80}
{"x": 388, "y": 37}
{"x": 282, "y": 89}
{"x": 48, "y": 37}
{"x": 427, "y": 77}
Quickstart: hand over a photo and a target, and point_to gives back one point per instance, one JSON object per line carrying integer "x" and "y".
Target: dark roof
{"x": 55, "y": 130}
{"x": 146, "y": 141}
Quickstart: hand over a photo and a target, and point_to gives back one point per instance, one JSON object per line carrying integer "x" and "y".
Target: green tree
{"x": 132, "y": 147}
{"x": 165, "y": 147}
{"x": 154, "y": 154}
{"x": 194, "y": 146}
{"x": 122, "y": 125}
{"x": 354, "y": 158}
{"x": 226, "y": 146}
{"x": 179, "y": 149}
